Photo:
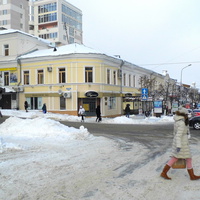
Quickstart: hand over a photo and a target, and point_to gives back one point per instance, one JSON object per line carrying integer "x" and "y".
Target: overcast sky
{"x": 154, "y": 34}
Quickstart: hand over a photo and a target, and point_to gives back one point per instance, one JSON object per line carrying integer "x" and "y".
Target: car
{"x": 195, "y": 122}
{"x": 196, "y": 112}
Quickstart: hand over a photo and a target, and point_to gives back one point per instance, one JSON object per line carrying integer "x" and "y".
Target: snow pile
{"x": 41, "y": 127}
{"x": 134, "y": 119}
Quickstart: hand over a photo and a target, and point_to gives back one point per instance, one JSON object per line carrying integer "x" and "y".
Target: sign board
{"x": 174, "y": 107}
{"x": 144, "y": 97}
{"x": 158, "y": 106}
{"x": 144, "y": 92}
{"x": 91, "y": 94}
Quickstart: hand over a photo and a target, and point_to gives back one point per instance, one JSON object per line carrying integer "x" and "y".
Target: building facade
{"x": 14, "y": 14}
{"x": 56, "y": 20}
{"x": 74, "y": 75}
{"x": 14, "y": 43}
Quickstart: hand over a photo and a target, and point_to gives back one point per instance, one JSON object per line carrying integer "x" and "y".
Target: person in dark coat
{"x": 98, "y": 113}
{"x": 26, "y": 106}
{"x": 127, "y": 110}
{"x": 44, "y": 108}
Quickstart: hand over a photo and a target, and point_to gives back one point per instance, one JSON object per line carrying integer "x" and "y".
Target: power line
{"x": 169, "y": 63}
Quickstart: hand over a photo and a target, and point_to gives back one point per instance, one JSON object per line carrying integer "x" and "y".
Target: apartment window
{"x": 47, "y": 8}
{"x": 115, "y": 77}
{"x": 124, "y": 76}
{"x": 6, "y": 78}
{"x": 62, "y": 75}
{"x": 88, "y": 74}
{"x": 26, "y": 77}
{"x": 5, "y": 12}
{"x": 47, "y": 18}
{"x": 5, "y": 2}
{"x": 40, "y": 77}
{"x": 4, "y": 22}
{"x": 108, "y": 76}
{"x": 6, "y": 50}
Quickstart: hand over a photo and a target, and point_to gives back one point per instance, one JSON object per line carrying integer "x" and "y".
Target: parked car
{"x": 196, "y": 112}
{"x": 195, "y": 122}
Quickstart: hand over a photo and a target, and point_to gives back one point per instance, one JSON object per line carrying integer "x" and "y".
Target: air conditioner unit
{"x": 67, "y": 95}
{"x": 49, "y": 69}
{"x": 119, "y": 73}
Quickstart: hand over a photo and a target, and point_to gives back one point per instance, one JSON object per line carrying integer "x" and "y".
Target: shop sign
{"x": 91, "y": 94}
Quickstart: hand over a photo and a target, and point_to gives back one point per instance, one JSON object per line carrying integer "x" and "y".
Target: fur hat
{"x": 183, "y": 110}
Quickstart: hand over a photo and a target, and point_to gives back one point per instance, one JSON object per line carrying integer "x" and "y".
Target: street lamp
{"x": 182, "y": 72}
{"x": 181, "y": 80}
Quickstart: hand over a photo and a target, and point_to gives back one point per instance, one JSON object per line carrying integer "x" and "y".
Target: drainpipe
{"x": 20, "y": 79}
{"x": 121, "y": 88}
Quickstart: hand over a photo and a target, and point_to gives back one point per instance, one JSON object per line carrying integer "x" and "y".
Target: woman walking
{"x": 180, "y": 147}
{"x": 81, "y": 112}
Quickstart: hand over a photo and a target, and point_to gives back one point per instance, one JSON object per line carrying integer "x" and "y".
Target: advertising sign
{"x": 158, "y": 106}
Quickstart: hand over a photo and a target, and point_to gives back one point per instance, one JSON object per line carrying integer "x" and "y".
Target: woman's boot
{"x": 192, "y": 176}
{"x": 164, "y": 172}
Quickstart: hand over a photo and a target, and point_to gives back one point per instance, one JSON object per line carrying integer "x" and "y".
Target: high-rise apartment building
{"x": 14, "y": 14}
{"x": 56, "y": 20}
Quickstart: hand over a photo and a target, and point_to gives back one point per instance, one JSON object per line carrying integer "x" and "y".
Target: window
{"x": 4, "y": 22}
{"x": 115, "y": 77}
{"x": 124, "y": 76}
{"x": 6, "y": 78}
{"x": 5, "y": 2}
{"x": 133, "y": 80}
{"x": 108, "y": 76}
{"x": 6, "y": 50}
{"x": 62, "y": 75}
{"x": 26, "y": 77}
{"x": 40, "y": 77}
{"x": 88, "y": 74}
{"x": 5, "y": 12}
{"x": 112, "y": 103}
{"x": 129, "y": 80}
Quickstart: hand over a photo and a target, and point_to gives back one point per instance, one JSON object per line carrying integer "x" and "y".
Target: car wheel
{"x": 196, "y": 125}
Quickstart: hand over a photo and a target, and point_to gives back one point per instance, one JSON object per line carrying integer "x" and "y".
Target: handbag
{"x": 179, "y": 164}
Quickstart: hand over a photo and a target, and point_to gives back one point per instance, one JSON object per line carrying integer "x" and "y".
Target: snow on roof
{"x": 8, "y": 31}
{"x": 64, "y": 50}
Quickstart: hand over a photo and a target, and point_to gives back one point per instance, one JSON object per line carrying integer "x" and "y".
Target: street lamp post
{"x": 181, "y": 80}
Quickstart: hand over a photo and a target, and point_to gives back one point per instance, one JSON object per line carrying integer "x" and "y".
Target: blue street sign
{"x": 144, "y": 97}
{"x": 145, "y": 91}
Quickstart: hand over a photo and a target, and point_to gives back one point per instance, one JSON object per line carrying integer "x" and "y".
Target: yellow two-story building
{"x": 72, "y": 75}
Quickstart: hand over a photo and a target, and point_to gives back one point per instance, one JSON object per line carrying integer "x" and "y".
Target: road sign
{"x": 145, "y": 91}
{"x": 144, "y": 97}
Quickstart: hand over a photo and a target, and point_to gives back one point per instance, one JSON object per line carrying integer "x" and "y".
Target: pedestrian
{"x": 127, "y": 110}
{"x": 180, "y": 146}
{"x": 81, "y": 112}
{"x": 44, "y": 108}
{"x": 98, "y": 113}
{"x": 26, "y": 106}
{"x": 1, "y": 114}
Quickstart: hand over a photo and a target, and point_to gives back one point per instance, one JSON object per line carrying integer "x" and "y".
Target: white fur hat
{"x": 183, "y": 110}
